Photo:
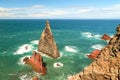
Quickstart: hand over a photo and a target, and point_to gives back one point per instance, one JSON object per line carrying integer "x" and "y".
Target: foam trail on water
{"x": 23, "y": 49}
{"x": 98, "y": 46}
{"x": 71, "y": 49}
{"x": 35, "y": 42}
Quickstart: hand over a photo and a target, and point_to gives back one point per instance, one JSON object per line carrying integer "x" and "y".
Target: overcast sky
{"x": 59, "y": 9}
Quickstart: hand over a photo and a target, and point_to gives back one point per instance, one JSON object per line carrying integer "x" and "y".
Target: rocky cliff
{"x": 107, "y": 64}
{"x": 47, "y": 45}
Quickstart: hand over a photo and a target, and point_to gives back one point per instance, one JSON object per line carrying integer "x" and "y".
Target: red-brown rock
{"x": 36, "y": 62}
{"x": 94, "y": 54}
{"x": 35, "y": 78}
{"x": 105, "y": 37}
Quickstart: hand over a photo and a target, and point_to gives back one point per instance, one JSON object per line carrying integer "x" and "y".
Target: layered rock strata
{"x": 47, "y": 45}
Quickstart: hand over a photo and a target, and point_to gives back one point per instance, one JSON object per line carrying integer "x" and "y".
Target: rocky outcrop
{"x": 47, "y": 44}
{"x": 36, "y": 62}
{"x": 35, "y": 78}
{"x": 106, "y": 37}
{"x": 94, "y": 54}
{"x": 106, "y": 66}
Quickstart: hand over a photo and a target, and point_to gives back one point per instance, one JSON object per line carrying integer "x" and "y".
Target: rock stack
{"x": 36, "y": 62}
{"x": 107, "y": 64}
{"x": 47, "y": 44}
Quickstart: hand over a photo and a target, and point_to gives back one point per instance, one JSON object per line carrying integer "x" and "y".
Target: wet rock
{"x": 36, "y": 62}
{"x": 35, "y": 78}
{"x": 94, "y": 54}
{"x": 105, "y": 37}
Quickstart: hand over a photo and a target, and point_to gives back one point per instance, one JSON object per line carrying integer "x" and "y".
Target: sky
{"x": 59, "y": 9}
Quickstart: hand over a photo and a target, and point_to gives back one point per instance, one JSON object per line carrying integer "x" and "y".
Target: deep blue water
{"x": 74, "y": 38}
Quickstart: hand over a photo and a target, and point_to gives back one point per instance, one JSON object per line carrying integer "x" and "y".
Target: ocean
{"x": 75, "y": 38}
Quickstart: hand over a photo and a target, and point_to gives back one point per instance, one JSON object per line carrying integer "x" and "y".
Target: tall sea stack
{"x": 47, "y": 45}
{"x": 107, "y": 64}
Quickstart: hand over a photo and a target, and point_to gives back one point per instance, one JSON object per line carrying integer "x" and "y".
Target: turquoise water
{"x": 73, "y": 38}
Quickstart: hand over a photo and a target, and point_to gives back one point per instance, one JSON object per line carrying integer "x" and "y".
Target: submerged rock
{"x": 36, "y": 62}
{"x": 47, "y": 44}
{"x": 106, "y": 66}
{"x": 94, "y": 54}
{"x": 35, "y": 78}
{"x": 105, "y": 37}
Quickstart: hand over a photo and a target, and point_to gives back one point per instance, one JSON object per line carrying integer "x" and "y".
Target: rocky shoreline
{"x": 107, "y": 64}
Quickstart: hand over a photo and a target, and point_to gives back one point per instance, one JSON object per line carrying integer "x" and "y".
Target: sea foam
{"x": 22, "y": 49}
{"x": 71, "y": 49}
{"x": 98, "y": 46}
{"x": 35, "y": 42}
{"x": 58, "y": 65}
{"x": 25, "y": 77}
{"x": 91, "y": 35}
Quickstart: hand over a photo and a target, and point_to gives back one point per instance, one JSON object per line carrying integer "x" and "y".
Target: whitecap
{"x": 23, "y": 49}
{"x": 91, "y": 35}
{"x": 35, "y": 42}
{"x": 20, "y": 62}
{"x": 58, "y": 65}
{"x": 87, "y": 34}
{"x": 98, "y": 46}
{"x": 25, "y": 77}
{"x": 71, "y": 49}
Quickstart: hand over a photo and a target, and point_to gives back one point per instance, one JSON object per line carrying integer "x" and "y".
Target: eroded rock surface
{"x": 36, "y": 62}
{"x": 47, "y": 45}
{"x": 106, "y": 66}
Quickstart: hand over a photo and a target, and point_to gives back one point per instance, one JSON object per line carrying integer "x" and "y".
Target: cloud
{"x": 41, "y": 11}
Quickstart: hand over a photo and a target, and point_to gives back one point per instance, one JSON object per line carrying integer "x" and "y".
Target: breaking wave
{"x": 98, "y": 46}
{"x": 91, "y": 35}
{"x": 71, "y": 49}
{"x": 25, "y": 77}
{"x": 34, "y": 42}
{"x": 23, "y": 49}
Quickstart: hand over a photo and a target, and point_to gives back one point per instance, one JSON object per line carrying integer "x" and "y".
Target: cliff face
{"x": 47, "y": 44}
{"x": 107, "y": 64}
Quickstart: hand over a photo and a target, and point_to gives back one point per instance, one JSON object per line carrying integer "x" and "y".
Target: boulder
{"x": 35, "y": 78}
{"x": 94, "y": 54}
{"x": 105, "y": 37}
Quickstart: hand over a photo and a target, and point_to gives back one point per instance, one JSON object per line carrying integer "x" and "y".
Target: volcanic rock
{"x": 36, "y": 62}
{"x": 47, "y": 45}
{"x": 106, "y": 66}
{"x": 105, "y": 37}
{"x": 94, "y": 54}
